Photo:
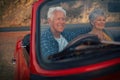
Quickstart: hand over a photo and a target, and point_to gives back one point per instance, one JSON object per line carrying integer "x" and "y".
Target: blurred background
{"x": 78, "y": 10}
{"x": 13, "y": 14}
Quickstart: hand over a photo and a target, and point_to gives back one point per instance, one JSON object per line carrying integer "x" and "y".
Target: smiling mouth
{"x": 101, "y": 25}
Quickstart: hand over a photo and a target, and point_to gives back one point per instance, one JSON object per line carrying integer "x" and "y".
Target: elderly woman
{"x": 98, "y": 19}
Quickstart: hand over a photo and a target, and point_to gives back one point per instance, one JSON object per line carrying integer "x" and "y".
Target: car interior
{"x": 77, "y": 54}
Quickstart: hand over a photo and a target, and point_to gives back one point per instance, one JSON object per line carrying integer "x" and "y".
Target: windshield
{"x": 72, "y": 25}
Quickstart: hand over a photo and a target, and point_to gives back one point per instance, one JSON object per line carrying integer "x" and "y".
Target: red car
{"x": 95, "y": 62}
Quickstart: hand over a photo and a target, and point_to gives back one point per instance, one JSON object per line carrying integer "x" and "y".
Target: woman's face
{"x": 99, "y": 22}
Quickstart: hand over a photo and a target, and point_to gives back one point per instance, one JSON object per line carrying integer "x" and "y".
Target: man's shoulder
{"x": 45, "y": 31}
{"x": 46, "y": 35}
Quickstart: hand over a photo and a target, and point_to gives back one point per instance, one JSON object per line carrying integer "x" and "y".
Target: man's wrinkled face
{"x": 99, "y": 22}
{"x": 57, "y": 22}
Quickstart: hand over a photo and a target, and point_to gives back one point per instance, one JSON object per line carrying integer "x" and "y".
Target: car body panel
{"x": 27, "y": 67}
{"x": 22, "y": 67}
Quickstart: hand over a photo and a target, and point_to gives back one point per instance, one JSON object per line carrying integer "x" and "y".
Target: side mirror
{"x": 26, "y": 42}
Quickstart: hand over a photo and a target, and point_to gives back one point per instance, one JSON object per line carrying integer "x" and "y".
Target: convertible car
{"x": 96, "y": 60}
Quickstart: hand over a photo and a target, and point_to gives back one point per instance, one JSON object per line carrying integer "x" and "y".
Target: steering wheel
{"x": 82, "y": 42}
{"x": 85, "y": 39}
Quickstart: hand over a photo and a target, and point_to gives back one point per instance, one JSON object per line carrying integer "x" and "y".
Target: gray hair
{"x": 95, "y": 13}
{"x": 52, "y": 9}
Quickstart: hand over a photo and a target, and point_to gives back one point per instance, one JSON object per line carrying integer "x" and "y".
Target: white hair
{"x": 95, "y": 13}
{"x": 52, "y": 9}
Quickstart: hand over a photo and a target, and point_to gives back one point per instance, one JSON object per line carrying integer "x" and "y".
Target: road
{"x": 14, "y": 29}
{"x": 7, "y": 48}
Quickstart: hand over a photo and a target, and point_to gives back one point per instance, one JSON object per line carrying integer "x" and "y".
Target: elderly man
{"x": 55, "y": 38}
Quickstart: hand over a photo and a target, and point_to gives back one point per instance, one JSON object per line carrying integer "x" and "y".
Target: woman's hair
{"x": 95, "y": 13}
{"x": 53, "y": 9}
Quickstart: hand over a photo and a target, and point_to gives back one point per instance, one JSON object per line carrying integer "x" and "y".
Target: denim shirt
{"x": 49, "y": 45}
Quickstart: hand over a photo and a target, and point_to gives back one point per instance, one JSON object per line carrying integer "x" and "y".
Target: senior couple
{"x": 55, "y": 39}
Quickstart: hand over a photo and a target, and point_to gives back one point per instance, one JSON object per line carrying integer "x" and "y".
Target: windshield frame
{"x": 59, "y": 65}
